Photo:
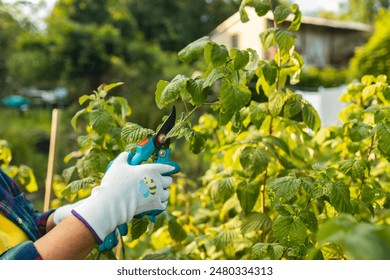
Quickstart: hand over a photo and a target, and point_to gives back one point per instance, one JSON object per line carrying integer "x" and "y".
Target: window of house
{"x": 235, "y": 41}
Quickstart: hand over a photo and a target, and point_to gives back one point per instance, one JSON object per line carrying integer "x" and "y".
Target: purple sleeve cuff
{"x": 87, "y": 225}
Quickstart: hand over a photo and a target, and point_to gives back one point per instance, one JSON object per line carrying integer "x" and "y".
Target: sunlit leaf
{"x": 193, "y": 50}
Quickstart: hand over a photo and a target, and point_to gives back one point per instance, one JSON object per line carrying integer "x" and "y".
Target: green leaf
{"x": 76, "y": 116}
{"x": 193, "y": 50}
{"x": 248, "y": 192}
{"x": 360, "y": 131}
{"x": 121, "y": 106}
{"x": 216, "y": 54}
{"x": 215, "y": 75}
{"x": 310, "y": 220}
{"x": 340, "y": 197}
{"x": 233, "y": 96}
{"x": 285, "y": 188}
{"x": 181, "y": 129}
{"x": 269, "y": 69}
{"x": 100, "y": 120}
{"x": 296, "y": 22}
{"x": 267, "y": 38}
{"x": 281, "y": 13}
{"x": 293, "y": 106}
{"x": 175, "y": 89}
{"x": 176, "y": 230}
{"x": 256, "y": 221}
{"x": 109, "y": 87}
{"x": 243, "y": 14}
{"x": 383, "y": 138}
{"x": 197, "y": 141}
{"x": 97, "y": 160}
{"x": 267, "y": 251}
{"x": 285, "y": 40}
{"x": 222, "y": 188}
{"x": 77, "y": 185}
{"x": 310, "y": 116}
{"x": 240, "y": 58}
{"x": 254, "y": 161}
{"x": 262, "y": 7}
{"x": 353, "y": 168}
{"x": 134, "y": 133}
{"x": 198, "y": 93}
{"x": 289, "y": 230}
{"x": 139, "y": 227}
{"x": 276, "y": 102}
{"x": 258, "y": 112}
{"x": 161, "y": 85}
{"x": 225, "y": 238}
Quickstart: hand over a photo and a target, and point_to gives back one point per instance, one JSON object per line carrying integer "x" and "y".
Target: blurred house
{"x": 321, "y": 42}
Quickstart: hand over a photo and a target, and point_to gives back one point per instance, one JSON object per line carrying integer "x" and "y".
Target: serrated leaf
{"x": 197, "y": 141}
{"x": 276, "y": 102}
{"x": 247, "y": 194}
{"x": 285, "y": 188}
{"x": 310, "y": 220}
{"x": 254, "y": 161}
{"x": 233, "y": 96}
{"x": 97, "y": 160}
{"x": 222, "y": 188}
{"x": 225, "y": 238}
{"x": 359, "y": 132}
{"x": 139, "y": 227}
{"x": 216, "y": 54}
{"x": 383, "y": 136}
{"x": 289, "y": 230}
{"x": 310, "y": 116}
{"x": 340, "y": 197}
{"x": 267, "y": 38}
{"x": 353, "y": 168}
{"x": 134, "y": 133}
{"x": 193, "y": 50}
{"x": 277, "y": 142}
{"x": 267, "y": 251}
{"x": 281, "y": 13}
{"x": 198, "y": 93}
{"x": 293, "y": 106}
{"x": 258, "y": 112}
{"x": 181, "y": 129}
{"x": 269, "y": 70}
{"x": 215, "y": 75}
{"x": 240, "y": 58}
{"x": 175, "y": 89}
{"x": 256, "y": 221}
{"x": 285, "y": 40}
{"x": 100, "y": 120}
{"x": 77, "y": 185}
{"x": 176, "y": 230}
{"x": 262, "y": 7}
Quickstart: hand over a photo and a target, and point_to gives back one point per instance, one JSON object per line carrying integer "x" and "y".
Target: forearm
{"x": 69, "y": 240}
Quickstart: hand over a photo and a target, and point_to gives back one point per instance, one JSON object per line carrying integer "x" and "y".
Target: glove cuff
{"x": 95, "y": 235}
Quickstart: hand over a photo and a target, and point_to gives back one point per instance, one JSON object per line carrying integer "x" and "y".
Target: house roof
{"x": 235, "y": 18}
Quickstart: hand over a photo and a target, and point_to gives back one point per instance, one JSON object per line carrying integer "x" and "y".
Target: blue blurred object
{"x": 15, "y": 101}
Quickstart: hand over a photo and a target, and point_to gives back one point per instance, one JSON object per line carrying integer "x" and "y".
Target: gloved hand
{"x": 125, "y": 191}
{"x": 64, "y": 211}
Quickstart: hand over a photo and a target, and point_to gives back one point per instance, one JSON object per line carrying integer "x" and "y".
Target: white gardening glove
{"x": 125, "y": 191}
{"x": 64, "y": 211}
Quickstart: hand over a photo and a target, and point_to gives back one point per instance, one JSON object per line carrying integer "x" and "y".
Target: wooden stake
{"x": 55, "y": 119}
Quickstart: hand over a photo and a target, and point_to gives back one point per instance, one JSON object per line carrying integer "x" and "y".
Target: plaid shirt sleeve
{"x": 23, "y": 251}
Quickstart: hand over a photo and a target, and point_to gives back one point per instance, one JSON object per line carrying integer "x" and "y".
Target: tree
{"x": 374, "y": 57}
{"x": 363, "y": 10}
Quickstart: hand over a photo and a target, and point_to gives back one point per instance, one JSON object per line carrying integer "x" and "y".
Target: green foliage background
{"x": 277, "y": 185}
{"x": 274, "y": 183}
